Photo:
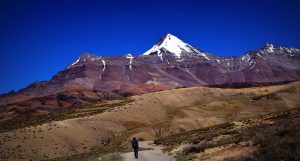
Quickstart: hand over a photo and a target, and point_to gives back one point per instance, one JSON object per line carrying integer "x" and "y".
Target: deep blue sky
{"x": 39, "y": 38}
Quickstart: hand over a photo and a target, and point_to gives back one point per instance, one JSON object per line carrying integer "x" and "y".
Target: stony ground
{"x": 273, "y": 136}
{"x": 95, "y": 130}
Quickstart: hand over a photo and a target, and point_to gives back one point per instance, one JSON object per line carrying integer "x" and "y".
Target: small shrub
{"x": 195, "y": 148}
{"x": 112, "y": 157}
{"x": 182, "y": 157}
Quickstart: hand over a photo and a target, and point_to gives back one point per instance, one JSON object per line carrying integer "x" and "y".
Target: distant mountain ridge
{"x": 170, "y": 63}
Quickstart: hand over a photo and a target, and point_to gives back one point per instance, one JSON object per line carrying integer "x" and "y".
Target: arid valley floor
{"x": 192, "y": 123}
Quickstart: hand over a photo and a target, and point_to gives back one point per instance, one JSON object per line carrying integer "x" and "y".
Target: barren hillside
{"x": 101, "y": 128}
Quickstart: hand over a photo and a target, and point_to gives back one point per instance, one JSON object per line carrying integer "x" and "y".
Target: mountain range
{"x": 170, "y": 63}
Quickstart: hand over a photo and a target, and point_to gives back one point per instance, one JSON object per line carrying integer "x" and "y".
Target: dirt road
{"x": 155, "y": 154}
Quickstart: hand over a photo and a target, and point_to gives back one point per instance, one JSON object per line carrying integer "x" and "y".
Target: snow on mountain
{"x": 85, "y": 57}
{"x": 175, "y": 46}
{"x": 171, "y": 49}
{"x": 182, "y": 66}
{"x": 103, "y": 65}
{"x": 267, "y": 51}
{"x": 172, "y": 44}
{"x": 271, "y": 48}
{"x": 130, "y": 57}
{"x": 246, "y": 57}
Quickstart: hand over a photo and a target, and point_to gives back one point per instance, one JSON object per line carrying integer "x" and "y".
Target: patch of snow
{"x": 258, "y": 54}
{"x": 175, "y": 46}
{"x": 179, "y": 60}
{"x": 75, "y": 62}
{"x": 243, "y": 58}
{"x": 294, "y": 49}
{"x": 100, "y": 76}
{"x": 246, "y": 57}
{"x": 281, "y": 48}
{"x": 160, "y": 55}
{"x": 202, "y": 54}
{"x": 253, "y": 63}
{"x": 130, "y": 57}
{"x": 270, "y": 47}
{"x": 86, "y": 57}
{"x": 154, "y": 82}
{"x": 168, "y": 62}
{"x": 103, "y": 65}
{"x": 290, "y": 50}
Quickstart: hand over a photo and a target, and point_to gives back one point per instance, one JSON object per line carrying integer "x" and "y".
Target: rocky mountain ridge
{"x": 170, "y": 63}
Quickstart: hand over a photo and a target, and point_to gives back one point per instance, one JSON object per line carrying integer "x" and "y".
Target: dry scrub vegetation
{"x": 91, "y": 131}
{"x": 274, "y": 136}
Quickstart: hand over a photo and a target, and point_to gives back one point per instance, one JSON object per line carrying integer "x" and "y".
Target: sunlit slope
{"x": 147, "y": 116}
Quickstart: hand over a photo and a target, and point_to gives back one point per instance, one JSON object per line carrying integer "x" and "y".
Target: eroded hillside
{"x": 107, "y": 127}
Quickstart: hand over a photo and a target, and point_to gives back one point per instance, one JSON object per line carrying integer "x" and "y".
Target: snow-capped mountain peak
{"x": 85, "y": 57}
{"x": 173, "y": 45}
{"x": 270, "y": 48}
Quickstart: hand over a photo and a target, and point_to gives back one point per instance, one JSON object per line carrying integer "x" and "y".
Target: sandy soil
{"x": 57, "y": 139}
{"x": 150, "y": 116}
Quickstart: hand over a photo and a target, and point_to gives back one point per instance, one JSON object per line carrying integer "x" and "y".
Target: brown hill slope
{"x": 106, "y": 127}
{"x": 273, "y": 136}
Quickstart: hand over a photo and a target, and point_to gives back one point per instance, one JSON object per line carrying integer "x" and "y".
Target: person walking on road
{"x": 135, "y": 146}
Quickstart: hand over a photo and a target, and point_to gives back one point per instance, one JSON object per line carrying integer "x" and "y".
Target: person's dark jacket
{"x": 135, "y": 143}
